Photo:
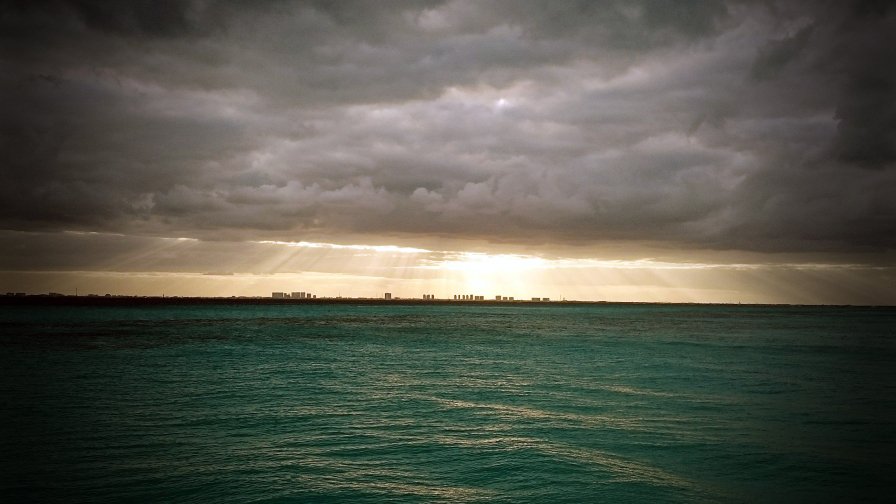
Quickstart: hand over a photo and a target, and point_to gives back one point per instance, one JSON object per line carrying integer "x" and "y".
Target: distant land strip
{"x": 120, "y": 300}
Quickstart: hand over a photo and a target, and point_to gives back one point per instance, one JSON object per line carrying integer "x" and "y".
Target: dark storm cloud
{"x": 776, "y": 54}
{"x": 708, "y": 124}
{"x": 866, "y": 108}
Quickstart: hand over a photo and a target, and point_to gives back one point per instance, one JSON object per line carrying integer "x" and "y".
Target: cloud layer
{"x": 714, "y": 125}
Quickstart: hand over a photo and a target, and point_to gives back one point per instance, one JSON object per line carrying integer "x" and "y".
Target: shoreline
{"x": 137, "y": 301}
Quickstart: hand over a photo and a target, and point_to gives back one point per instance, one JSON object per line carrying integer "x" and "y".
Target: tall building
{"x": 278, "y": 295}
{"x": 388, "y": 295}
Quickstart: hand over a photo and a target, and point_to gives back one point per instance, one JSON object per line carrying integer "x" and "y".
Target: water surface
{"x": 342, "y": 403}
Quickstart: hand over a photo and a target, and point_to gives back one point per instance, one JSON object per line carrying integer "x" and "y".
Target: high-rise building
{"x": 278, "y": 295}
{"x": 388, "y": 295}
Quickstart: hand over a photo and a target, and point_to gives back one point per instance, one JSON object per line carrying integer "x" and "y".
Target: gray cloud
{"x": 721, "y": 125}
{"x": 776, "y": 54}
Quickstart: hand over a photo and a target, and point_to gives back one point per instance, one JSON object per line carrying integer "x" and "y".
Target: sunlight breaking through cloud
{"x": 375, "y": 248}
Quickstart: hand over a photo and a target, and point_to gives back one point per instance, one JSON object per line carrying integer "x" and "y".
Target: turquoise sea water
{"x": 341, "y": 403}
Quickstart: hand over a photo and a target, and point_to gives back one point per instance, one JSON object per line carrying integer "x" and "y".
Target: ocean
{"x": 447, "y": 403}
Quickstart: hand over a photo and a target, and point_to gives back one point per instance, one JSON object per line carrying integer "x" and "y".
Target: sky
{"x": 616, "y": 150}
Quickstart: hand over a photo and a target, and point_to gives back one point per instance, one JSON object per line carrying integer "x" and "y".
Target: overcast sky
{"x": 709, "y": 131}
